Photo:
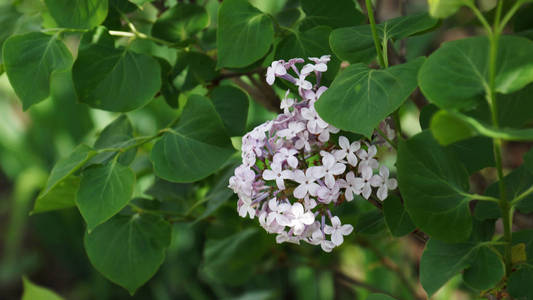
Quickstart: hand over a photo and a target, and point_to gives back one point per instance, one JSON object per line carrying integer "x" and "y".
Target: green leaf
{"x": 514, "y": 110}
{"x": 473, "y": 154}
{"x": 441, "y": 261}
{"x": 355, "y": 44}
{"x": 118, "y": 134}
{"x": 434, "y": 186}
{"x": 370, "y": 223}
{"x": 445, "y": 8}
{"x": 448, "y": 129}
{"x": 35, "y": 292}
{"x": 469, "y": 57}
{"x": 231, "y": 103}
{"x": 426, "y": 114}
{"x": 180, "y": 23}
{"x": 516, "y": 183}
{"x": 396, "y": 217}
{"x": 379, "y": 297}
{"x": 244, "y": 34}
{"x": 104, "y": 191}
{"x": 520, "y": 282}
{"x": 466, "y": 126}
{"x": 366, "y": 95}
{"x": 193, "y": 68}
{"x": 128, "y": 250}
{"x": 30, "y": 60}
{"x": 196, "y": 147}
{"x": 61, "y": 186}
{"x": 342, "y": 14}
{"x": 525, "y": 237}
{"x": 485, "y": 271}
{"x": 60, "y": 197}
{"x": 8, "y": 22}
{"x": 219, "y": 193}
{"x": 82, "y": 14}
{"x": 115, "y": 79}
{"x": 231, "y": 260}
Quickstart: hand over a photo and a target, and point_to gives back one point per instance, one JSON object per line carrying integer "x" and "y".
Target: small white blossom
{"x": 347, "y": 151}
{"x": 293, "y": 129}
{"x": 287, "y": 155}
{"x": 383, "y": 182}
{"x": 277, "y": 68}
{"x": 337, "y": 230}
{"x": 299, "y": 218}
{"x": 277, "y": 174}
{"x": 307, "y": 184}
{"x": 330, "y": 168}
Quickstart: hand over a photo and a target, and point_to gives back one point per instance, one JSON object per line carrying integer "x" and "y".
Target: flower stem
{"x": 370, "y": 12}
{"x": 504, "y": 204}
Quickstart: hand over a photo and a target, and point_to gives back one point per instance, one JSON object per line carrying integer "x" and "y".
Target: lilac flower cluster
{"x": 294, "y": 168}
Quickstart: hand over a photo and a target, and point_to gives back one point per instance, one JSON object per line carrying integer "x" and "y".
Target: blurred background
{"x": 205, "y": 260}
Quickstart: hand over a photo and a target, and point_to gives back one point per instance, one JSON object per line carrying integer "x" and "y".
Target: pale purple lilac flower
{"x": 297, "y": 167}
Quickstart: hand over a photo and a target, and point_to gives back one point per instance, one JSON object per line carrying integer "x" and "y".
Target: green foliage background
{"x": 95, "y": 94}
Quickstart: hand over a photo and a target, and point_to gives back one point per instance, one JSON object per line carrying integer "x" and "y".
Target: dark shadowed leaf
{"x": 396, "y": 217}
{"x": 179, "y": 23}
{"x": 128, "y": 250}
{"x": 434, "y": 186}
{"x": 231, "y": 103}
{"x": 231, "y": 260}
{"x": 342, "y": 14}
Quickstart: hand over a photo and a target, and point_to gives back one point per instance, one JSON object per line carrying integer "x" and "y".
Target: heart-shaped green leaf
{"x": 360, "y": 97}
{"x": 104, "y": 191}
{"x": 62, "y": 185}
{"x": 179, "y": 23}
{"x": 128, "y": 250}
{"x": 342, "y": 14}
{"x": 434, "y": 186}
{"x": 396, "y": 217}
{"x": 231, "y": 103}
{"x": 196, "y": 147}
{"x": 115, "y": 79}
{"x": 355, "y": 44}
{"x": 463, "y": 65}
{"x": 30, "y": 60}
{"x": 485, "y": 271}
{"x": 82, "y": 14}
{"x": 244, "y": 34}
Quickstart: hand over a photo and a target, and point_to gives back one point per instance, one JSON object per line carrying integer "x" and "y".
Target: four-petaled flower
{"x": 352, "y": 186}
{"x": 315, "y": 124}
{"x": 347, "y": 150}
{"x": 337, "y": 230}
{"x": 299, "y": 218}
{"x": 330, "y": 167}
{"x": 287, "y": 155}
{"x": 293, "y": 129}
{"x": 276, "y": 173}
{"x": 383, "y": 182}
{"x": 307, "y": 183}
{"x": 302, "y": 83}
